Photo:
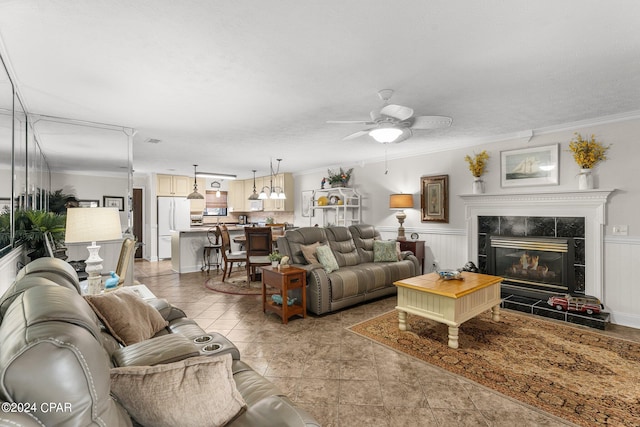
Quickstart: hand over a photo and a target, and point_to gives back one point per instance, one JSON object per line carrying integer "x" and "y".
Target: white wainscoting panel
{"x": 446, "y": 247}
{"x": 622, "y": 282}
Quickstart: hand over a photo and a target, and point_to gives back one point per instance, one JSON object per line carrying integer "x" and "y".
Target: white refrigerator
{"x": 174, "y": 213}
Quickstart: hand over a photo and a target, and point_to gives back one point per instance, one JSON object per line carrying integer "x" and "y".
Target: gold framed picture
{"x": 434, "y": 198}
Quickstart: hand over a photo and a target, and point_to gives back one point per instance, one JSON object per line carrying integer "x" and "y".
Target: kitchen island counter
{"x": 187, "y": 246}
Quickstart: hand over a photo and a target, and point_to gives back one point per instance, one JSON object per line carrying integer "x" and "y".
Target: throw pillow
{"x": 199, "y": 391}
{"x": 326, "y": 258}
{"x": 309, "y": 252}
{"x": 384, "y": 251}
{"x": 129, "y": 318}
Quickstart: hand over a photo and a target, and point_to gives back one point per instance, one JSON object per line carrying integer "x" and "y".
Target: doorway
{"x": 137, "y": 220}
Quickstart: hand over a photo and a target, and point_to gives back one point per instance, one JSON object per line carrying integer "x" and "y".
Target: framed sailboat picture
{"x": 529, "y": 166}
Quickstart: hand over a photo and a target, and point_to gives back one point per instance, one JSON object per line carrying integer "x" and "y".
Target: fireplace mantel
{"x": 590, "y": 204}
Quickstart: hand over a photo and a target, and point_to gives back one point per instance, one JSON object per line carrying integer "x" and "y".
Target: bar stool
{"x": 213, "y": 246}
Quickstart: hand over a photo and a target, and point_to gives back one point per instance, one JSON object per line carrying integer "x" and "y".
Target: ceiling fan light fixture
{"x": 385, "y": 135}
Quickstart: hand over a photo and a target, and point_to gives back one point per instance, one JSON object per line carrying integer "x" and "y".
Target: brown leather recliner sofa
{"x": 55, "y": 350}
{"x": 358, "y": 278}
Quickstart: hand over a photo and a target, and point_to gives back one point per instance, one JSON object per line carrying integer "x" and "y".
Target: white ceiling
{"x": 229, "y": 84}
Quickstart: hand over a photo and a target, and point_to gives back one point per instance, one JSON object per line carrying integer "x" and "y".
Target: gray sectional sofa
{"x": 358, "y": 277}
{"x": 55, "y": 350}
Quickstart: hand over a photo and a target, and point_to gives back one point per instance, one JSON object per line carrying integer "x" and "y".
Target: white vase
{"x": 478, "y": 185}
{"x": 585, "y": 179}
{"x": 275, "y": 264}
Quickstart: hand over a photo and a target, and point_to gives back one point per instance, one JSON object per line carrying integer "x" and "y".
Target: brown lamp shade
{"x": 401, "y": 201}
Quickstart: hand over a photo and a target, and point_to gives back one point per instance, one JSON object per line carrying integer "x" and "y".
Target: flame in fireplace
{"x": 529, "y": 262}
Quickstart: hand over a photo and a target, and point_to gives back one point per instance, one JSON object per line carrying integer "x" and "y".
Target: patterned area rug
{"x": 581, "y": 376}
{"x": 236, "y": 285}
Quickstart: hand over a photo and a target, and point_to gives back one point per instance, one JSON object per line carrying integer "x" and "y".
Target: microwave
{"x": 255, "y": 205}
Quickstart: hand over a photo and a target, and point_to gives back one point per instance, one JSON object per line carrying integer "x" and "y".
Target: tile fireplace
{"x": 571, "y": 220}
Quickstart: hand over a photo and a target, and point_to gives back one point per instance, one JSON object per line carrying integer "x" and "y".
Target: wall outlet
{"x": 620, "y": 230}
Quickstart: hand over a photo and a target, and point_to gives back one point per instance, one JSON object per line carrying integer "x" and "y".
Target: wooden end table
{"x": 451, "y": 302}
{"x": 284, "y": 279}
{"x": 415, "y": 246}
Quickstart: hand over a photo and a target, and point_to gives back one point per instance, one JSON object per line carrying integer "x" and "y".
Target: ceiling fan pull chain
{"x": 386, "y": 168}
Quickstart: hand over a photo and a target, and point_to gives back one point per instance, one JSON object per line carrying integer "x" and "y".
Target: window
{"x": 215, "y": 206}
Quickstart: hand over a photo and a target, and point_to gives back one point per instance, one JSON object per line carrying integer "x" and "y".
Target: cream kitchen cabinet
{"x": 237, "y": 197}
{"x": 174, "y": 185}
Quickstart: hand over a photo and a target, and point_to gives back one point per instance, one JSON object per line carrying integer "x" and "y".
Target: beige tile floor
{"x": 339, "y": 377}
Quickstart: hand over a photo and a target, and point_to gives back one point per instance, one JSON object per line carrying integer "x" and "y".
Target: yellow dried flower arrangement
{"x": 587, "y": 152}
{"x": 477, "y": 163}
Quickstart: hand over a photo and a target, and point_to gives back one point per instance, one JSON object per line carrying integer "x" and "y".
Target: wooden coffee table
{"x": 451, "y": 302}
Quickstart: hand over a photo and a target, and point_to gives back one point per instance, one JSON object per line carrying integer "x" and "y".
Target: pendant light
{"x": 195, "y": 195}
{"x": 254, "y": 195}
{"x": 274, "y": 192}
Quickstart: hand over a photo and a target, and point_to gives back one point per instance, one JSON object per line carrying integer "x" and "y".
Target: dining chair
{"x": 126, "y": 253}
{"x": 228, "y": 256}
{"x": 52, "y": 249}
{"x": 259, "y": 244}
{"x": 211, "y": 246}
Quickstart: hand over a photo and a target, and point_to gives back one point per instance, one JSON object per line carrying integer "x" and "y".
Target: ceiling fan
{"x": 394, "y": 123}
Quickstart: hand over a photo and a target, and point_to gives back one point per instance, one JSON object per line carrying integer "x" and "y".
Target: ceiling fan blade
{"x": 406, "y": 134}
{"x": 361, "y": 122}
{"x": 375, "y": 115}
{"x": 397, "y": 111}
{"x": 431, "y": 122}
{"x": 356, "y": 134}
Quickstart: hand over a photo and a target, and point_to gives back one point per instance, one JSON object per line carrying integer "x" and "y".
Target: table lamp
{"x": 93, "y": 225}
{"x": 400, "y": 202}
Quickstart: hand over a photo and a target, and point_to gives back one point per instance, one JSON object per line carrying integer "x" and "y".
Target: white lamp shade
{"x": 92, "y": 225}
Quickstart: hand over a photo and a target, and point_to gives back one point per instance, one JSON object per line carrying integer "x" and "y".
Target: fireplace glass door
{"x": 541, "y": 263}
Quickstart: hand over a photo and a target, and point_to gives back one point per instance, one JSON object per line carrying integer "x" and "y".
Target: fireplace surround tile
{"x": 513, "y": 226}
{"x": 570, "y": 227}
{"x": 541, "y": 226}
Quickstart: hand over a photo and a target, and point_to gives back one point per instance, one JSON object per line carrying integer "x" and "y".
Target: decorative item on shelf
{"x": 476, "y": 166}
{"x": 334, "y": 200}
{"x": 400, "y": 202}
{"x": 195, "y": 195}
{"x": 339, "y": 179}
{"x": 93, "y": 225}
{"x": 274, "y": 192}
{"x": 275, "y": 258}
{"x": 587, "y": 153}
{"x": 322, "y": 183}
{"x": 323, "y": 201}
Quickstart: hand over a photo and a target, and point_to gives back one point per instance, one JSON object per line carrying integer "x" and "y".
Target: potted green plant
{"x": 275, "y": 258}
{"x": 31, "y": 227}
{"x": 340, "y": 178}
